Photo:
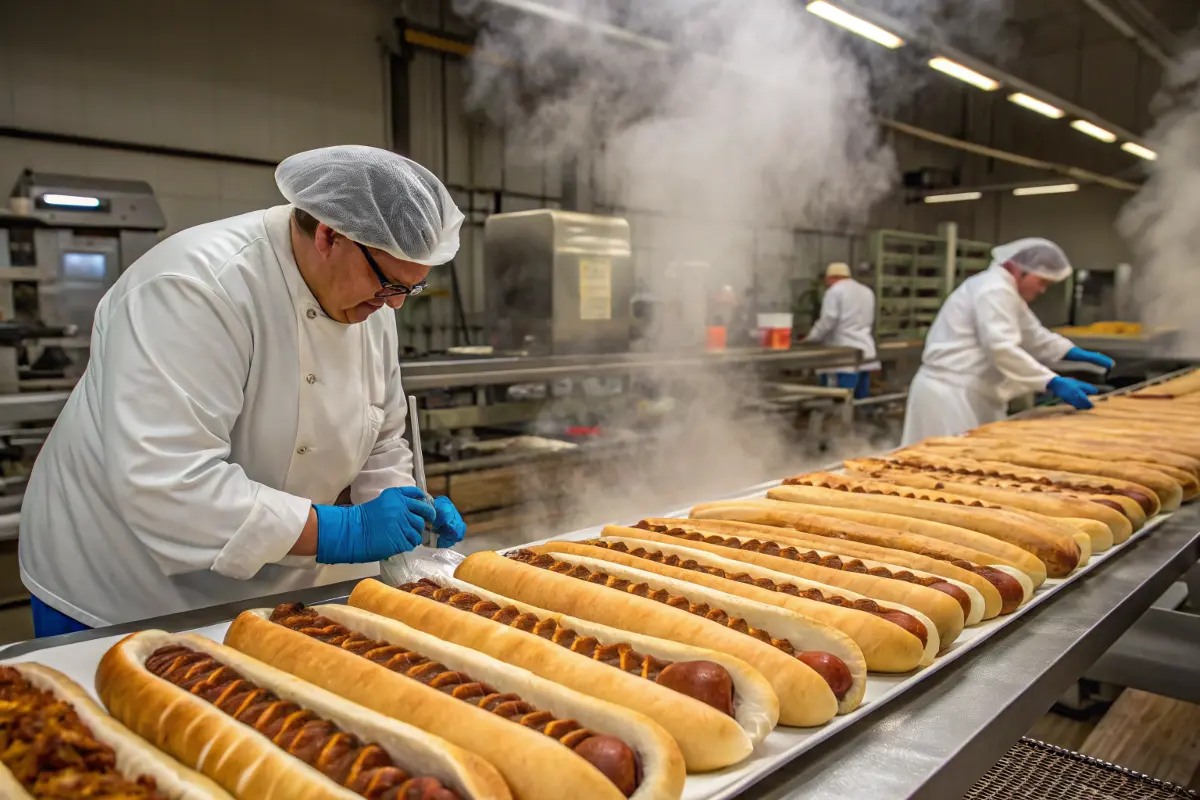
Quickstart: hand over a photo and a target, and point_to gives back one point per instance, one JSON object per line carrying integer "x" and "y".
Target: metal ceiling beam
{"x": 935, "y": 43}
{"x": 1076, "y": 173}
{"x": 1114, "y": 18}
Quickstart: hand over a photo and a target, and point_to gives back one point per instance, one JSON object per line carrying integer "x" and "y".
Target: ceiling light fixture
{"x": 956, "y": 70}
{"x": 1139, "y": 151}
{"x": 1040, "y": 106}
{"x": 1094, "y": 131}
{"x": 1054, "y": 188}
{"x": 831, "y": 13}
{"x": 952, "y": 198}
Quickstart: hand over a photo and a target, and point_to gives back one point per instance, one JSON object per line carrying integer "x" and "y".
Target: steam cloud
{"x": 1160, "y": 222}
{"x": 755, "y": 119}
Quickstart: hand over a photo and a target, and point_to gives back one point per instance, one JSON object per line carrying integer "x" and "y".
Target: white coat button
{"x": 311, "y": 313}
{"x": 310, "y": 378}
{"x": 303, "y": 449}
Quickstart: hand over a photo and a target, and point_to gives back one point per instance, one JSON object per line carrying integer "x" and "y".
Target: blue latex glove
{"x": 1089, "y": 357}
{"x": 449, "y": 525}
{"x": 1072, "y": 391}
{"x": 391, "y": 523}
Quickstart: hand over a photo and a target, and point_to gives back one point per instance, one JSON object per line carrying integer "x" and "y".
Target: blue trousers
{"x": 49, "y": 622}
{"x": 860, "y": 382}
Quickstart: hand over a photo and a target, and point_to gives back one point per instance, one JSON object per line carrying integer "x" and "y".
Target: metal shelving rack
{"x": 913, "y": 275}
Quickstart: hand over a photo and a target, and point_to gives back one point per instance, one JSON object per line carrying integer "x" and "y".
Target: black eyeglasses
{"x": 391, "y": 288}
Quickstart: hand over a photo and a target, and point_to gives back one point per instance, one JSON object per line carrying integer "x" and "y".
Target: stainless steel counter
{"x": 936, "y": 739}
{"x": 452, "y": 373}
{"x": 31, "y": 406}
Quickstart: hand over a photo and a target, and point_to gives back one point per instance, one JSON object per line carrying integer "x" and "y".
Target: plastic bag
{"x": 423, "y": 562}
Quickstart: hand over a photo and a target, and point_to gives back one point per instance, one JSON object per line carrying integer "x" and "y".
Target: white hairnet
{"x": 376, "y": 198}
{"x": 838, "y": 269}
{"x": 1037, "y": 256}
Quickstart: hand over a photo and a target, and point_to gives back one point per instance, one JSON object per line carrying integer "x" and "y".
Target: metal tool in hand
{"x": 418, "y": 468}
{"x": 395, "y": 570}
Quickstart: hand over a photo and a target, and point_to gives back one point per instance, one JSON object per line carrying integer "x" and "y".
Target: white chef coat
{"x": 219, "y": 404}
{"x": 847, "y": 319}
{"x": 985, "y": 348}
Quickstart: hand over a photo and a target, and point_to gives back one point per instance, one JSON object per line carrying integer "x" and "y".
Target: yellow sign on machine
{"x": 595, "y": 288}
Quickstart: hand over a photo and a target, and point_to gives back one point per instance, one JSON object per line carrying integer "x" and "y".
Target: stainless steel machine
{"x": 63, "y": 242}
{"x": 558, "y": 282}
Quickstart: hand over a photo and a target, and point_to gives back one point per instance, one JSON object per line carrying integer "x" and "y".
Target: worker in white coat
{"x": 241, "y": 380}
{"x": 986, "y": 347}
{"x": 847, "y": 320}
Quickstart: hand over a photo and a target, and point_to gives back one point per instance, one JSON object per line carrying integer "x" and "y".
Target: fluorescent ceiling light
{"x": 831, "y": 13}
{"x": 1139, "y": 151}
{"x": 953, "y": 198}
{"x": 1095, "y": 131}
{"x": 1055, "y": 188}
{"x": 1040, "y": 106}
{"x": 956, "y": 70}
{"x": 70, "y": 201}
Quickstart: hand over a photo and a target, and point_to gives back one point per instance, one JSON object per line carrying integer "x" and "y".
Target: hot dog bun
{"x": 555, "y": 647}
{"x": 534, "y": 764}
{"x": 998, "y": 595}
{"x": 1052, "y": 545}
{"x": 240, "y": 758}
{"x": 1168, "y": 491}
{"x": 1181, "y": 469}
{"x": 805, "y": 699}
{"x": 72, "y": 756}
{"x": 1054, "y": 505}
{"x": 887, "y": 583}
{"x": 885, "y": 646}
{"x": 1169, "y": 452}
{"x": 885, "y": 530}
{"x": 1133, "y": 500}
{"x": 1137, "y": 429}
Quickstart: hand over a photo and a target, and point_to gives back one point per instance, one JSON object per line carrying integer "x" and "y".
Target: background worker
{"x": 987, "y": 347}
{"x": 846, "y": 320}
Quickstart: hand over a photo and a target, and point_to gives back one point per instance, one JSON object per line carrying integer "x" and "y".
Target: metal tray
{"x": 781, "y": 747}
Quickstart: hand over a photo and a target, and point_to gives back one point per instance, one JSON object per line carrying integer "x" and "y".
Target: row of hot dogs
{"x": 611, "y": 667}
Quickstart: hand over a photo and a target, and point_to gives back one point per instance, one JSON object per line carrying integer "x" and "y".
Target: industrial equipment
{"x": 558, "y": 282}
{"x": 64, "y": 242}
{"x": 915, "y": 273}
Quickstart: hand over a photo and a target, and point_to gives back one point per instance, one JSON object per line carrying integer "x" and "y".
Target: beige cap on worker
{"x": 838, "y": 269}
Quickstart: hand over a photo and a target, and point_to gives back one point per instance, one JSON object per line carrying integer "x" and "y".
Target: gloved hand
{"x": 391, "y": 523}
{"x": 1089, "y": 357}
{"x": 449, "y": 525}
{"x": 1072, "y": 391}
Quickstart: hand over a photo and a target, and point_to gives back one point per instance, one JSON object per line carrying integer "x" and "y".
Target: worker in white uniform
{"x": 244, "y": 376}
{"x": 986, "y": 347}
{"x": 847, "y": 320}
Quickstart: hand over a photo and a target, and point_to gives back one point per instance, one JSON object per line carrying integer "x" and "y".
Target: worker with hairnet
{"x": 847, "y": 319}
{"x": 986, "y": 347}
{"x": 237, "y": 431}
